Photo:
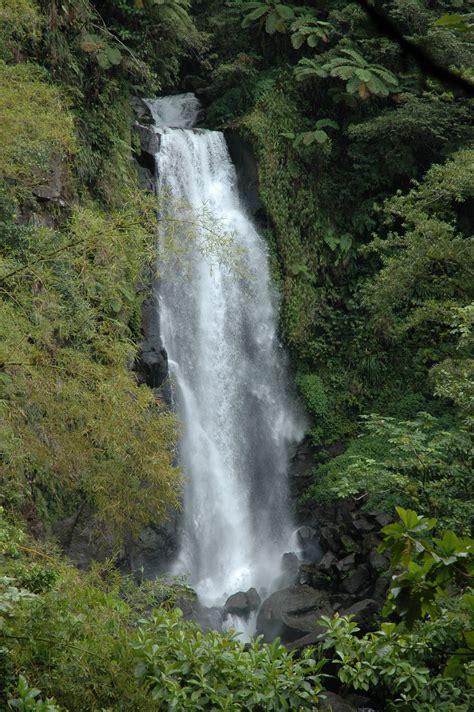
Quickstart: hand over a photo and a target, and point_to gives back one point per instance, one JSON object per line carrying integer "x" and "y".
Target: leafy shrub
{"x": 424, "y": 662}
{"x": 183, "y": 668}
{"x": 27, "y": 700}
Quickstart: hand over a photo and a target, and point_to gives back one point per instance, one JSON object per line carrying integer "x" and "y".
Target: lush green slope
{"x": 366, "y": 179}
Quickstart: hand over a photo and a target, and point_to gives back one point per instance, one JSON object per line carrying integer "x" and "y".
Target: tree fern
{"x": 309, "y": 30}
{"x": 271, "y": 14}
{"x": 361, "y": 77}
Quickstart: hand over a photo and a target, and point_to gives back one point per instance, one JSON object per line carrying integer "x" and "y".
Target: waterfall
{"x": 232, "y": 390}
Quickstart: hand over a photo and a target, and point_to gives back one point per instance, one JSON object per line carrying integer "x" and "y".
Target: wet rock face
{"x": 242, "y": 603}
{"x": 149, "y": 143}
{"x": 345, "y": 573}
{"x": 141, "y": 110}
{"x": 244, "y": 160}
{"x": 335, "y": 703}
{"x": 85, "y": 540}
{"x": 351, "y": 563}
{"x": 151, "y": 362}
{"x": 292, "y": 613}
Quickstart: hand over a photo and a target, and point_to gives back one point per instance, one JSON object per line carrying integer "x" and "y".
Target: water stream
{"x": 232, "y": 390}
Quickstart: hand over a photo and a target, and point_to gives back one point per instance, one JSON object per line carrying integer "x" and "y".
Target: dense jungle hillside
{"x": 358, "y": 117}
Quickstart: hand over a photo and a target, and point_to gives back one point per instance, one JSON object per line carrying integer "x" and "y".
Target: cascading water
{"x": 232, "y": 392}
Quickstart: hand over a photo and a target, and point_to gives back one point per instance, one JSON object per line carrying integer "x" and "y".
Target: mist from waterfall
{"x": 232, "y": 391}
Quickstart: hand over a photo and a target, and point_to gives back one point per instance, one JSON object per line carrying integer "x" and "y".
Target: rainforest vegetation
{"x": 366, "y": 189}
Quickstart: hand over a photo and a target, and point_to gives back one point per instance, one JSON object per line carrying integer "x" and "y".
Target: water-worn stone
{"x": 243, "y": 603}
{"x": 362, "y": 523}
{"x": 291, "y": 612}
{"x": 357, "y": 580}
{"x": 290, "y": 563}
{"x": 329, "y": 537}
{"x": 328, "y": 562}
{"x": 309, "y": 639}
{"x": 346, "y": 564}
{"x": 142, "y": 110}
{"x": 243, "y": 157}
{"x": 364, "y": 613}
{"x": 378, "y": 561}
{"x": 382, "y": 519}
{"x": 308, "y": 542}
{"x": 150, "y": 141}
{"x": 151, "y": 363}
{"x": 335, "y": 703}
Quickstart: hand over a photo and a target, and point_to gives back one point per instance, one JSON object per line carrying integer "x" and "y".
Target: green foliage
{"x": 271, "y": 14}
{"x": 418, "y": 462}
{"x": 361, "y": 77}
{"x": 458, "y": 23}
{"x": 35, "y": 125}
{"x": 106, "y": 55}
{"x": 86, "y": 641}
{"x": 87, "y": 430}
{"x": 309, "y": 30}
{"x": 393, "y": 665}
{"x": 27, "y": 700}
{"x": 423, "y": 662}
{"x": 209, "y": 670}
{"x": 20, "y": 23}
{"x": 318, "y": 135}
{"x": 431, "y": 566}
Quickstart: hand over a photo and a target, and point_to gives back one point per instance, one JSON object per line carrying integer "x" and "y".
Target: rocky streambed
{"x": 337, "y": 569}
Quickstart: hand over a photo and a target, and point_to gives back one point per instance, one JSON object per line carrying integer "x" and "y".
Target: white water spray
{"x": 232, "y": 392}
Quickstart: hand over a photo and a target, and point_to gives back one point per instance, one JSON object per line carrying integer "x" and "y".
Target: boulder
{"x": 243, "y": 157}
{"x": 152, "y": 551}
{"x": 349, "y": 545}
{"x": 335, "y": 703}
{"x": 357, "y": 580}
{"x": 151, "y": 362}
{"x": 382, "y": 519}
{"x": 310, "y": 639}
{"x": 362, "y": 523}
{"x": 53, "y": 188}
{"x": 346, "y": 564}
{"x": 209, "y": 618}
{"x": 381, "y": 587}
{"x": 364, "y": 613}
{"x": 150, "y": 141}
{"x": 290, "y": 565}
{"x": 309, "y": 548}
{"x": 330, "y": 537}
{"x": 341, "y": 601}
{"x": 314, "y": 577}
{"x": 328, "y": 562}
{"x": 291, "y": 613}
{"x": 142, "y": 110}
{"x": 243, "y": 603}
{"x": 378, "y": 561}
{"x": 370, "y": 542}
